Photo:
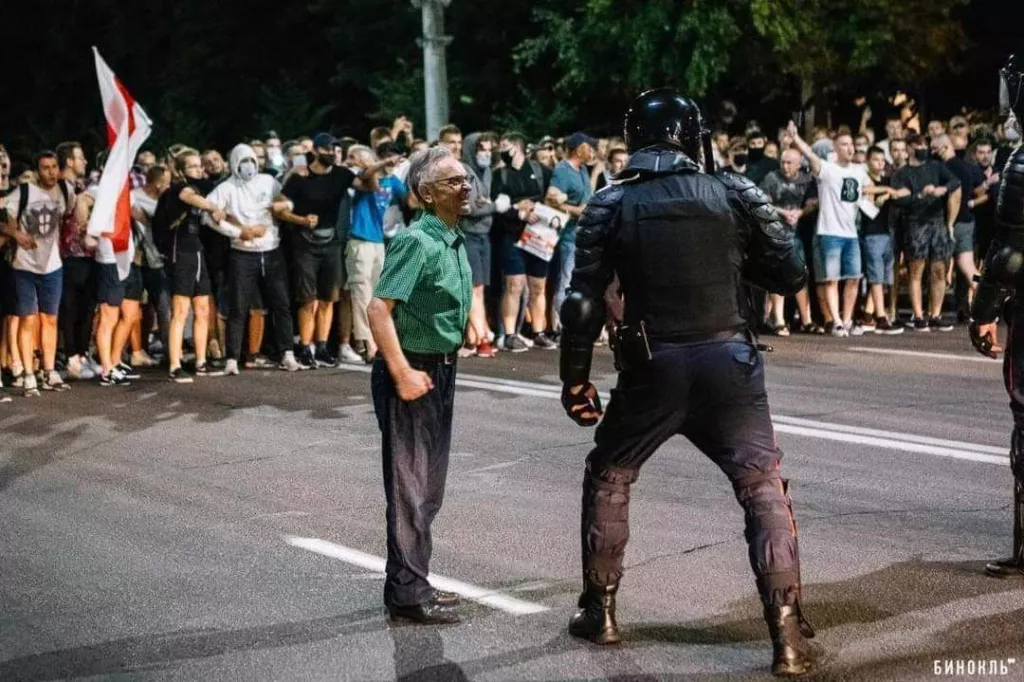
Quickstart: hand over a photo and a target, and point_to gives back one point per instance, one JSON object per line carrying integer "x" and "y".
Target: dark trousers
{"x": 154, "y": 280}
{"x": 416, "y": 439}
{"x": 714, "y": 394}
{"x": 249, "y": 273}
{"x": 1013, "y": 377}
{"x": 77, "y": 305}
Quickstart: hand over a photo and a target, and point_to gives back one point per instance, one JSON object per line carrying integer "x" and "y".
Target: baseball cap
{"x": 324, "y": 141}
{"x": 579, "y": 138}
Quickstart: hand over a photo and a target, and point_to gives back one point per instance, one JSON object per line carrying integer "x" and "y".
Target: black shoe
{"x": 596, "y": 618}
{"x": 205, "y": 370}
{"x": 938, "y": 324}
{"x": 423, "y": 614}
{"x": 919, "y": 324}
{"x": 1006, "y": 568}
{"x": 445, "y": 599}
{"x": 178, "y": 376}
{"x": 128, "y": 371}
{"x": 115, "y": 378}
{"x": 544, "y": 341}
{"x": 305, "y": 357}
{"x": 793, "y": 655}
{"x": 324, "y": 358}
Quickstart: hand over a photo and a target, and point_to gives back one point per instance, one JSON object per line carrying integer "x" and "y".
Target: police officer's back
{"x": 683, "y": 244}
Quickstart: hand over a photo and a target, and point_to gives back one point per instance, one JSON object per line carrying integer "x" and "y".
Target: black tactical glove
{"x": 985, "y": 338}
{"x": 583, "y": 407}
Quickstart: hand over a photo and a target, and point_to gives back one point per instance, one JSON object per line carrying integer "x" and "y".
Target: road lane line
{"x": 889, "y": 440}
{"x": 924, "y": 354}
{"x": 480, "y": 595}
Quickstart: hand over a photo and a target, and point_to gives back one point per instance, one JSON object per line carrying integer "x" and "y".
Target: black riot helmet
{"x": 663, "y": 116}
{"x": 1011, "y": 88}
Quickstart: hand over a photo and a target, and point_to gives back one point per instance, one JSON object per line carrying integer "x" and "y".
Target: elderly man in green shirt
{"x": 417, "y": 318}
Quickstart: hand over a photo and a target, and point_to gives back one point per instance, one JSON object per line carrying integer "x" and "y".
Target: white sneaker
{"x": 142, "y": 359}
{"x": 490, "y": 337}
{"x": 839, "y": 331}
{"x": 75, "y": 367}
{"x": 347, "y": 355}
{"x": 94, "y": 366}
{"x": 231, "y": 368}
{"x": 290, "y": 364}
{"x": 857, "y": 330}
{"x": 528, "y": 342}
{"x": 31, "y": 388}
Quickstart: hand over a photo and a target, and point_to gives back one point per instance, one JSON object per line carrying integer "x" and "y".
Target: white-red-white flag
{"x": 127, "y": 128}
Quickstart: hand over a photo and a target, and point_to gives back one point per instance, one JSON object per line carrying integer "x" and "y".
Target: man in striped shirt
{"x": 417, "y": 318}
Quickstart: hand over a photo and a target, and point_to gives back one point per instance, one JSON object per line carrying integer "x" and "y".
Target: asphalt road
{"x": 232, "y": 529}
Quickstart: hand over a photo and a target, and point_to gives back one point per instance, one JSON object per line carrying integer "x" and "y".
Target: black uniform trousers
{"x": 1013, "y": 378}
{"x": 265, "y": 273}
{"x": 714, "y": 394}
{"x": 416, "y": 442}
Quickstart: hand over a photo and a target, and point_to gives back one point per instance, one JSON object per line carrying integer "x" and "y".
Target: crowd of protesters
{"x": 271, "y": 257}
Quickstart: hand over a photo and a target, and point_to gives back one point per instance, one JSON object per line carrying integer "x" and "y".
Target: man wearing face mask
{"x": 275, "y": 155}
{"x": 929, "y": 200}
{"x": 477, "y": 159}
{"x": 758, "y": 165}
{"x": 256, "y": 264}
{"x": 998, "y": 296}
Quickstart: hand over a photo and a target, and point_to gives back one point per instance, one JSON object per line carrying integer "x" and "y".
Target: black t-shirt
{"x": 319, "y": 194}
{"x": 880, "y": 223}
{"x": 518, "y": 185}
{"x": 970, "y": 178}
{"x": 188, "y": 235}
{"x": 758, "y": 170}
{"x": 916, "y": 210}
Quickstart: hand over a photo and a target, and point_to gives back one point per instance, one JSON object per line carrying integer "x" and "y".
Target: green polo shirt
{"x": 426, "y": 271}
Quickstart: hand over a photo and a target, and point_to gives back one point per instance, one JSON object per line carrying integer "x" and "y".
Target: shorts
{"x": 317, "y": 271}
{"x": 478, "y": 250}
{"x": 836, "y": 258}
{"x": 929, "y": 242}
{"x": 110, "y": 289}
{"x": 189, "y": 276}
{"x": 879, "y": 258}
{"x": 133, "y": 285}
{"x": 963, "y": 238}
{"x": 38, "y": 293}
{"x": 515, "y": 261}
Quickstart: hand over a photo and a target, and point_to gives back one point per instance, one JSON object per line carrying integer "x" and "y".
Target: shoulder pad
{"x": 743, "y": 186}
{"x": 1015, "y": 164}
{"x": 610, "y": 194}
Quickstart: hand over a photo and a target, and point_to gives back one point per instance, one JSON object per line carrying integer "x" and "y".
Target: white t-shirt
{"x": 839, "y": 190}
{"x": 249, "y": 203}
{"x": 41, "y": 219}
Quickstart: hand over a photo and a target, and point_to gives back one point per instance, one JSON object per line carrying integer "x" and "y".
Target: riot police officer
{"x": 999, "y": 290}
{"x": 684, "y": 244}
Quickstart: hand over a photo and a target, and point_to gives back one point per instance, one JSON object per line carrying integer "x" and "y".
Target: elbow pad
{"x": 582, "y": 319}
{"x": 1003, "y": 266}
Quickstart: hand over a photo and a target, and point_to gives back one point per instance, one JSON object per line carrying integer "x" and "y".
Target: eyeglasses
{"x": 454, "y": 182}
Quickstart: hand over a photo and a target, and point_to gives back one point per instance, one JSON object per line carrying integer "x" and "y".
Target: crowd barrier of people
{"x": 271, "y": 257}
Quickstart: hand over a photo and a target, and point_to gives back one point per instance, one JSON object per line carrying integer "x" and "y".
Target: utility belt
{"x": 631, "y": 344}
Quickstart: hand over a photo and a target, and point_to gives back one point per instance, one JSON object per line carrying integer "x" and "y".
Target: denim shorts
{"x": 38, "y": 293}
{"x": 963, "y": 238}
{"x": 836, "y": 258}
{"x": 878, "y": 258}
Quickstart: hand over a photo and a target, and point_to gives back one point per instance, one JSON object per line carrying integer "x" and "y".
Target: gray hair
{"x": 423, "y": 167}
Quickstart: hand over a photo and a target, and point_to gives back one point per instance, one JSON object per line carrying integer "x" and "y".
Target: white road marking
{"x": 959, "y": 357}
{"x": 481, "y": 595}
{"x": 888, "y": 440}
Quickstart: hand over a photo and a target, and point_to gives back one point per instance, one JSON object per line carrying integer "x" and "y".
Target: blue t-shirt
{"x": 368, "y": 209}
{"x": 576, "y": 185}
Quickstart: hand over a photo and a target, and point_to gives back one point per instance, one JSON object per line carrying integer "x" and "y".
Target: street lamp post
{"x": 435, "y": 69}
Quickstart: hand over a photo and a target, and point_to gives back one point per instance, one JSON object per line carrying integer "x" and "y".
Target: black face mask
{"x": 960, "y": 153}
{"x": 739, "y": 159}
{"x": 755, "y": 154}
{"x": 922, "y": 154}
{"x": 325, "y": 159}
{"x": 506, "y": 158}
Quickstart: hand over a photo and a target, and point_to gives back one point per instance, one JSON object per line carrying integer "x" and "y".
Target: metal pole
{"x": 435, "y": 69}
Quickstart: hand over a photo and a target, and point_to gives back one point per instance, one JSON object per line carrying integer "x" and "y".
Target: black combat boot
{"x": 596, "y": 619}
{"x": 1013, "y": 567}
{"x": 792, "y": 655}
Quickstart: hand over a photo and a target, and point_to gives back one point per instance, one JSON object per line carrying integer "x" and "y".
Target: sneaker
{"x": 115, "y": 378}
{"x": 348, "y": 355}
{"x": 839, "y": 331}
{"x": 4, "y": 398}
{"x": 467, "y": 352}
{"x": 515, "y": 344}
{"x": 867, "y": 323}
{"x": 94, "y": 365}
{"x": 289, "y": 363}
{"x": 178, "y": 376}
{"x": 255, "y": 362}
{"x": 812, "y": 328}
{"x": 128, "y": 371}
{"x": 544, "y": 341}
{"x": 526, "y": 341}
{"x": 939, "y": 324}
{"x": 779, "y": 330}
{"x": 324, "y": 358}
{"x": 305, "y": 359}
{"x": 53, "y": 382}
{"x": 143, "y": 359}
{"x": 486, "y": 350}
{"x": 231, "y": 367}
{"x": 884, "y": 326}
{"x": 18, "y": 379}
{"x": 490, "y": 337}
{"x": 857, "y": 329}
{"x": 919, "y": 324}
{"x": 205, "y": 370}
{"x": 31, "y": 389}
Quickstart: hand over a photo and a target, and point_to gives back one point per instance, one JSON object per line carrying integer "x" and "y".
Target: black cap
{"x": 324, "y": 141}
{"x": 579, "y": 138}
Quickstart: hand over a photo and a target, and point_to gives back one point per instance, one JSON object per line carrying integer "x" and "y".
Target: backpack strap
{"x": 67, "y": 197}
{"x": 538, "y": 173}
{"x": 22, "y": 201}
